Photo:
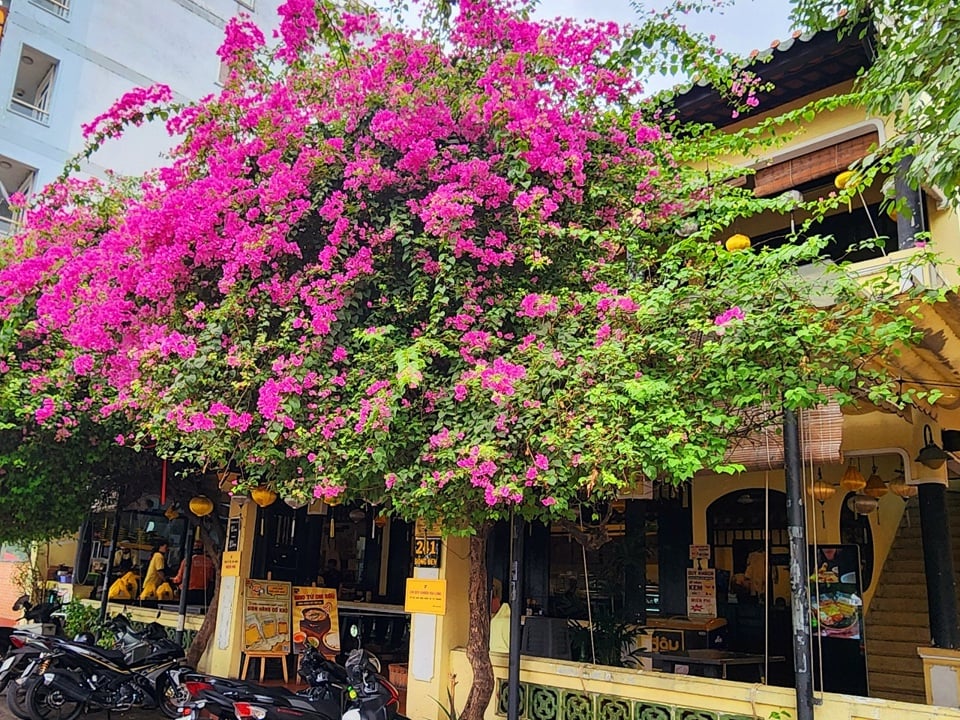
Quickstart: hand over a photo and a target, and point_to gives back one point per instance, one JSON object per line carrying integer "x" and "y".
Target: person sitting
{"x": 156, "y": 571}
{"x": 201, "y": 577}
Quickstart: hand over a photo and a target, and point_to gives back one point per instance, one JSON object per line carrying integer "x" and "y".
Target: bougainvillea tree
{"x": 459, "y": 277}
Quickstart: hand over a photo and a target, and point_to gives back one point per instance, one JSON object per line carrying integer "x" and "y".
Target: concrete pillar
{"x": 938, "y": 566}
{"x": 223, "y": 655}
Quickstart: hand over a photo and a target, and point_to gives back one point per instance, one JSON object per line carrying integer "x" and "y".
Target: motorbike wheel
{"x": 171, "y": 696}
{"x": 47, "y": 703}
{"x": 16, "y": 699}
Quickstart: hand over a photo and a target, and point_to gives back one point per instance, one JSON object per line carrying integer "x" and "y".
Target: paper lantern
{"x": 875, "y": 486}
{"x": 263, "y": 496}
{"x": 853, "y": 480}
{"x": 201, "y": 505}
{"x": 862, "y": 504}
{"x": 737, "y": 242}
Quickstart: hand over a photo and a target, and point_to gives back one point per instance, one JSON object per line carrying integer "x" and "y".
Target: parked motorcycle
{"x": 356, "y": 691}
{"x": 15, "y": 642}
{"x": 71, "y": 677}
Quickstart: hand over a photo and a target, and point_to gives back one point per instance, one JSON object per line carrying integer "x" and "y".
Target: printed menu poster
{"x": 315, "y": 620}
{"x": 702, "y": 592}
{"x": 266, "y": 612}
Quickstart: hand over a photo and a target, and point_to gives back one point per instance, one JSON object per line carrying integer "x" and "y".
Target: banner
{"x": 315, "y": 620}
{"x": 266, "y": 614}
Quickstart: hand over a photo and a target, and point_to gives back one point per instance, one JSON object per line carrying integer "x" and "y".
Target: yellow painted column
{"x": 432, "y": 637}
{"x": 223, "y": 656}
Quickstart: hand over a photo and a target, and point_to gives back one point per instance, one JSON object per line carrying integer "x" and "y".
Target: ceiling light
{"x": 26, "y": 60}
{"x": 5, "y": 164}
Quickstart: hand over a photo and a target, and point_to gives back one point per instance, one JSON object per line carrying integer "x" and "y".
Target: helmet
{"x": 87, "y": 638}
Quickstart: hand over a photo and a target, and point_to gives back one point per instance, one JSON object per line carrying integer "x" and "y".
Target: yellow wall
{"x": 720, "y": 696}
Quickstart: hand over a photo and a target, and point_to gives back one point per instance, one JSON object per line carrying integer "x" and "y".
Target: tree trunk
{"x": 478, "y": 643}
{"x": 212, "y": 548}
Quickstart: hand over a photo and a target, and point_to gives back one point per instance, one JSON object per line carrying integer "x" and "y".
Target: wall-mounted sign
{"x": 702, "y": 592}
{"x": 230, "y": 564}
{"x": 233, "y": 534}
{"x": 425, "y": 596}
{"x": 426, "y": 552}
{"x": 699, "y": 552}
{"x": 266, "y": 617}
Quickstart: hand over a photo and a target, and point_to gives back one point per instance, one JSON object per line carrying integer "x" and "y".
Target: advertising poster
{"x": 702, "y": 592}
{"x": 315, "y": 620}
{"x": 266, "y": 613}
{"x": 835, "y": 598}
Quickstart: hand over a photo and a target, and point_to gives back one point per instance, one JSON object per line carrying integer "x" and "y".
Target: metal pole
{"x": 108, "y": 571}
{"x": 799, "y": 573}
{"x": 185, "y": 586}
{"x": 517, "y": 532}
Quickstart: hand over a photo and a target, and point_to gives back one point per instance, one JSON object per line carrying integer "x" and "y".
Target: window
{"x": 14, "y": 177}
{"x": 60, "y": 8}
{"x": 248, "y": 4}
{"x": 33, "y": 87}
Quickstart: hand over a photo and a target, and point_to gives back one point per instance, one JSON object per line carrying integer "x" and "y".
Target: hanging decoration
{"x": 295, "y": 502}
{"x": 201, "y": 505}
{"x": 737, "y": 242}
{"x": 822, "y": 492}
{"x": 263, "y": 496}
{"x": 875, "y": 486}
{"x": 861, "y": 504}
{"x": 853, "y": 480}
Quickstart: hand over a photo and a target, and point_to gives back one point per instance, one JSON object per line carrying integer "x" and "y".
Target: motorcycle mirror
{"x": 22, "y": 602}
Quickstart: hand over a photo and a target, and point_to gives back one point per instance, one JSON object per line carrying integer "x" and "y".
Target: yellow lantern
{"x": 900, "y": 488}
{"x": 853, "y": 480}
{"x": 875, "y": 486}
{"x": 263, "y": 496}
{"x": 737, "y": 242}
{"x": 171, "y": 513}
{"x": 201, "y": 505}
{"x": 847, "y": 179}
{"x": 822, "y": 492}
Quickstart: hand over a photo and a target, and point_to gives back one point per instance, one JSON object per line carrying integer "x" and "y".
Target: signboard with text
{"x": 316, "y": 620}
{"x": 702, "y": 592}
{"x": 425, "y": 596}
{"x": 266, "y": 617}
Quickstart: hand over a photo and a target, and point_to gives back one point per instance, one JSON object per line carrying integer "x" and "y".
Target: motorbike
{"x": 70, "y": 677}
{"x": 357, "y": 691}
{"x": 15, "y": 643}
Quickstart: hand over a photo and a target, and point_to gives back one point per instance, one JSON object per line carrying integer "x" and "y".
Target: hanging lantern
{"x": 862, "y": 504}
{"x": 736, "y": 242}
{"x": 853, "y": 480}
{"x": 822, "y": 492}
{"x": 263, "y": 496}
{"x": 171, "y": 513}
{"x": 357, "y": 515}
{"x": 295, "y": 502}
{"x": 380, "y": 521}
{"x": 847, "y": 179}
{"x": 333, "y": 501}
{"x": 201, "y": 505}
{"x": 900, "y": 488}
{"x": 875, "y": 486}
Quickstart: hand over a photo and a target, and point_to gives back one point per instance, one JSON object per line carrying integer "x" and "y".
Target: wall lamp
{"x": 931, "y": 455}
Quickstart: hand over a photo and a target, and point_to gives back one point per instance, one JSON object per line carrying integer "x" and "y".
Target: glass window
{"x": 60, "y": 8}
{"x": 33, "y": 88}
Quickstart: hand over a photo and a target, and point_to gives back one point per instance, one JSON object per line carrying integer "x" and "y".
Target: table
{"x": 710, "y": 660}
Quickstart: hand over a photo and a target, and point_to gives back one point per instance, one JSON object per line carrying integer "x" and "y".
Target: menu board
{"x": 702, "y": 592}
{"x": 315, "y": 620}
{"x": 266, "y": 613}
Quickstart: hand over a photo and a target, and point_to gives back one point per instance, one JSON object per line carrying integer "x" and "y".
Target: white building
{"x": 63, "y": 62}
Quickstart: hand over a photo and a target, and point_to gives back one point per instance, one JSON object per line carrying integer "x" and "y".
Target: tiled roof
{"x": 798, "y": 66}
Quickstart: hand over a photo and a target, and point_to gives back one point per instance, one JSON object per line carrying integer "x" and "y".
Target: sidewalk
{"x": 130, "y": 715}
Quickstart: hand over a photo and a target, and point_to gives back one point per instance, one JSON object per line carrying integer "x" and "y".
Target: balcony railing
{"x": 8, "y": 225}
{"x": 28, "y": 110}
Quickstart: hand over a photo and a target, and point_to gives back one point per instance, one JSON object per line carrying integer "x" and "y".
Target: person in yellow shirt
{"x": 155, "y": 571}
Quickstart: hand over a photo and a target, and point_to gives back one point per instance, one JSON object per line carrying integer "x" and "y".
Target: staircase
{"x": 897, "y": 622}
